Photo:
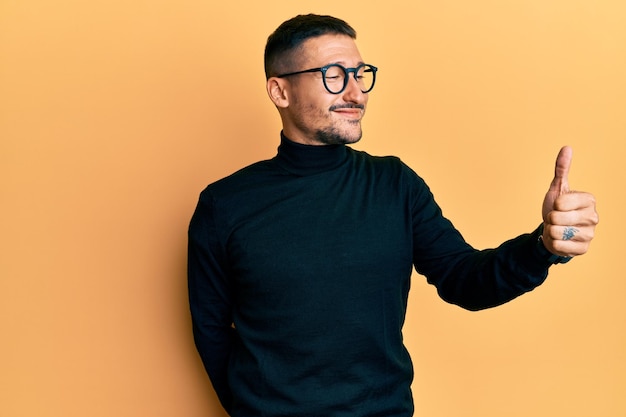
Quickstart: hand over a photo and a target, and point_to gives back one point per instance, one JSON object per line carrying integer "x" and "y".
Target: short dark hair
{"x": 291, "y": 34}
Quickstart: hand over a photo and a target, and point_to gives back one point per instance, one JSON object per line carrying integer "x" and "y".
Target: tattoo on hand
{"x": 569, "y": 233}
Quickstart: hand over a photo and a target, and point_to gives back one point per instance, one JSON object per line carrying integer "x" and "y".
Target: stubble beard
{"x": 334, "y": 136}
{"x": 336, "y": 132}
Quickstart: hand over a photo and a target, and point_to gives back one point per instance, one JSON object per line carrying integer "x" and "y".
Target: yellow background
{"x": 115, "y": 114}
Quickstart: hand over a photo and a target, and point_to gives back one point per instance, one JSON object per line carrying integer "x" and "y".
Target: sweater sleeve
{"x": 473, "y": 279}
{"x": 210, "y": 298}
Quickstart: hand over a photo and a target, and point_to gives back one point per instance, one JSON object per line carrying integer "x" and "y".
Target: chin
{"x": 352, "y": 138}
{"x": 349, "y": 141}
{"x": 334, "y": 137}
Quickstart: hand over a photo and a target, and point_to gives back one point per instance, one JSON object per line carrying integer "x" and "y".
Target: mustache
{"x": 346, "y": 106}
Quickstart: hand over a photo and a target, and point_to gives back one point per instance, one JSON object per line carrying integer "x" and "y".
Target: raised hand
{"x": 569, "y": 217}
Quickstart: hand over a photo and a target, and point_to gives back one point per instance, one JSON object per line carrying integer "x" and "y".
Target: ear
{"x": 277, "y": 91}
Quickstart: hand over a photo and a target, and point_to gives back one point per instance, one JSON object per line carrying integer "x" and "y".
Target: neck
{"x": 304, "y": 159}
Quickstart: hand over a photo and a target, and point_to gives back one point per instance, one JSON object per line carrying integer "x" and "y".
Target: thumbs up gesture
{"x": 569, "y": 217}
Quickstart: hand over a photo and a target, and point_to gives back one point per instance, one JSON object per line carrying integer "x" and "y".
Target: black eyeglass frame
{"x": 346, "y": 72}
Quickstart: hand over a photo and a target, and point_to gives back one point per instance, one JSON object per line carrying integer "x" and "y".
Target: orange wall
{"x": 115, "y": 114}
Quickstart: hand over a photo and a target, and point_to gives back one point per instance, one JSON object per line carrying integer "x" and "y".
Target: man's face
{"x": 313, "y": 115}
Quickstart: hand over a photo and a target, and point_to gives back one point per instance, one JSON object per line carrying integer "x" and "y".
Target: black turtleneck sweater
{"x": 299, "y": 272}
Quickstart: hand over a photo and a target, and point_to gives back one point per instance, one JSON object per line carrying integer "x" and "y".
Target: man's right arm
{"x": 210, "y": 298}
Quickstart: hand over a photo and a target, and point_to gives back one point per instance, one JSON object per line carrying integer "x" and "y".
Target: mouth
{"x": 352, "y": 111}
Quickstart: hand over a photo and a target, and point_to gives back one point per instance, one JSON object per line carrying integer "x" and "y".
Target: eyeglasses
{"x": 335, "y": 77}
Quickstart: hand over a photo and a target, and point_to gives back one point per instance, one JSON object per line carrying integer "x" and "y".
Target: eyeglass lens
{"x": 335, "y": 78}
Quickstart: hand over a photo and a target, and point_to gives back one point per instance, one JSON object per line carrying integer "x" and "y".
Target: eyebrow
{"x": 343, "y": 63}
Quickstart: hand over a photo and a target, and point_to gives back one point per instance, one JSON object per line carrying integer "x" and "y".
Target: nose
{"x": 353, "y": 93}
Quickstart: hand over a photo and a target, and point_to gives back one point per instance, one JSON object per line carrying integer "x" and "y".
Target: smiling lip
{"x": 352, "y": 113}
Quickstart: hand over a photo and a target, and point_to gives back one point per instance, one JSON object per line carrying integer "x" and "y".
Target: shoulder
{"x": 243, "y": 179}
{"x": 228, "y": 197}
{"x": 388, "y": 164}
{"x": 373, "y": 159}
{"x": 394, "y": 175}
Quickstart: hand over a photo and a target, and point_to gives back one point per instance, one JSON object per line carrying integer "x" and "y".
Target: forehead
{"x": 328, "y": 49}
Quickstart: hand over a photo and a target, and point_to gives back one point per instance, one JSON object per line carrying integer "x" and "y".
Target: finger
{"x": 561, "y": 171}
{"x": 575, "y": 200}
{"x": 569, "y": 247}
{"x": 572, "y": 218}
{"x": 570, "y": 233}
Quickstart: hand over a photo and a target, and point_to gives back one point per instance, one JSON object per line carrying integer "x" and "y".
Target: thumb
{"x": 560, "y": 183}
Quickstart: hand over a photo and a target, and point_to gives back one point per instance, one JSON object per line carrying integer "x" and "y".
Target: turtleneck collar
{"x": 305, "y": 160}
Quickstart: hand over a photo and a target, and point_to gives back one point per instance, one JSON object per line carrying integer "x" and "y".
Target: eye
{"x": 334, "y": 73}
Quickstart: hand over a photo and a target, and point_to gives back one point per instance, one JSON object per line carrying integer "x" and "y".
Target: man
{"x": 299, "y": 266}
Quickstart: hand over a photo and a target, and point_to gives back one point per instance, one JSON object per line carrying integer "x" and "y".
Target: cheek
{"x": 316, "y": 111}
{"x": 312, "y": 108}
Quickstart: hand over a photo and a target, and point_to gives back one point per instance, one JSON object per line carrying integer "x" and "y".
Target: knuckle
{"x": 553, "y": 217}
{"x": 591, "y": 234}
{"x": 554, "y": 233}
{"x": 595, "y": 218}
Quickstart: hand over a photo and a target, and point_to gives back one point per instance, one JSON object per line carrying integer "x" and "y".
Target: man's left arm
{"x": 482, "y": 279}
